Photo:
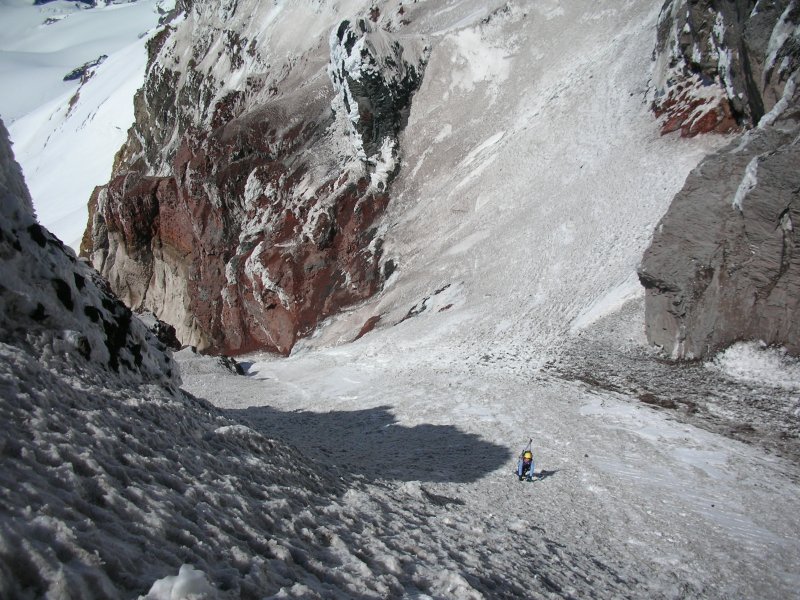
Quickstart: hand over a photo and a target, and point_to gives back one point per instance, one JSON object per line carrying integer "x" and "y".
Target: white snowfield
{"x": 66, "y": 134}
{"x": 534, "y": 175}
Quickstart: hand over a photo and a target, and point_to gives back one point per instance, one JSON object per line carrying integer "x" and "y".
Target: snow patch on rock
{"x": 747, "y": 185}
{"x": 188, "y": 584}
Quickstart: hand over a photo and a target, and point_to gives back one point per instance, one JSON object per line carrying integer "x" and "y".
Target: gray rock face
{"x": 724, "y": 263}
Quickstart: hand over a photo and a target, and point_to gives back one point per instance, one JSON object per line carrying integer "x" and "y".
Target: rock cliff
{"x": 242, "y": 209}
{"x": 724, "y": 263}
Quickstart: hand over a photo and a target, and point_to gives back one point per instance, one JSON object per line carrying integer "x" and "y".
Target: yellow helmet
{"x": 527, "y": 454}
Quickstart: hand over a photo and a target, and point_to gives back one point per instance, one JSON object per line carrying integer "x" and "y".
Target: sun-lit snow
{"x": 752, "y": 362}
{"x": 188, "y": 583}
{"x": 783, "y": 31}
{"x": 66, "y": 134}
{"x": 782, "y": 104}
{"x": 517, "y": 225}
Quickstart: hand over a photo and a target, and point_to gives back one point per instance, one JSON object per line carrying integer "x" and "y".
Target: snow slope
{"x": 51, "y": 120}
{"x": 115, "y": 484}
{"x": 533, "y": 177}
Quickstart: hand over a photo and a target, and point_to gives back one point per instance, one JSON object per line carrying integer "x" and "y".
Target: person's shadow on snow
{"x": 372, "y": 444}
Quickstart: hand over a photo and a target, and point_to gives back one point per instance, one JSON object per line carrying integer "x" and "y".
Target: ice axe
{"x": 527, "y": 447}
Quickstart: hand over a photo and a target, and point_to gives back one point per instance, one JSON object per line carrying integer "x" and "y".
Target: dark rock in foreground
{"x": 52, "y": 301}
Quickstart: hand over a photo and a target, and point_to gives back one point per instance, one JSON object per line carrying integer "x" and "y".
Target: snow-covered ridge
{"x": 225, "y": 59}
{"x": 60, "y": 306}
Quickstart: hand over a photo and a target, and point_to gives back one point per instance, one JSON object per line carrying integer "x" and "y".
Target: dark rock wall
{"x": 245, "y": 216}
{"x": 724, "y": 263}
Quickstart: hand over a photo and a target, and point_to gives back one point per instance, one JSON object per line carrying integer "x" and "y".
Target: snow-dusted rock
{"x": 163, "y": 331}
{"x": 375, "y": 74}
{"x": 54, "y": 303}
{"x": 242, "y": 209}
{"x": 721, "y": 66}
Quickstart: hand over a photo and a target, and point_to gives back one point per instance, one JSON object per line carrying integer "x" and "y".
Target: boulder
{"x": 724, "y": 262}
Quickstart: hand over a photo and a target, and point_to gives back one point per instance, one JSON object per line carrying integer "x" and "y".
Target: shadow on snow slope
{"x": 372, "y": 444}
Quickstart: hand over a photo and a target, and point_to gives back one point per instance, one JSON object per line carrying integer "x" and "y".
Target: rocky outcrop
{"x": 83, "y": 73}
{"x": 53, "y": 303}
{"x": 724, "y": 262}
{"x": 242, "y": 209}
{"x": 163, "y": 331}
{"x": 721, "y": 65}
{"x": 374, "y": 85}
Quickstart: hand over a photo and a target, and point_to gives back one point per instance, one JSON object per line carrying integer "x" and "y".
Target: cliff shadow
{"x": 370, "y": 443}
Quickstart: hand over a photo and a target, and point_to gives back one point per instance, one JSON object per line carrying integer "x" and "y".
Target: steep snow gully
{"x": 382, "y": 467}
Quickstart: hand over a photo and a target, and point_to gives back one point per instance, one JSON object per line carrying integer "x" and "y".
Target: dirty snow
{"x": 535, "y": 206}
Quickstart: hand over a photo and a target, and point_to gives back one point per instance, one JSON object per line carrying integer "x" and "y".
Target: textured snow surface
{"x": 519, "y": 220}
{"x": 663, "y": 509}
{"x": 383, "y": 468}
{"x": 189, "y": 583}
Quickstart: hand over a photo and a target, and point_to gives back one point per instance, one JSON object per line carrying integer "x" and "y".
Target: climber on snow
{"x": 525, "y": 465}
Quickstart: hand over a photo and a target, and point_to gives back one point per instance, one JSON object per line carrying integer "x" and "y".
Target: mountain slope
{"x": 243, "y": 208}
{"x": 518, "y": 221}
{"x": 533, "y": 177}
{"x": 723, "y": 263}
{"x": 112, "y": 479}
